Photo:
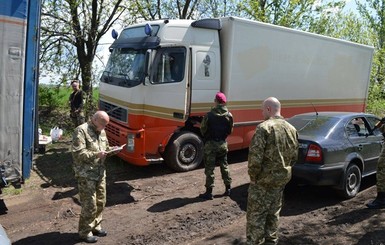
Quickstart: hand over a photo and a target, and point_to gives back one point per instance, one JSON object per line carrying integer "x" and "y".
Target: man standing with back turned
{"x": 215, "y": 127}
{"x": 272, "y": 152}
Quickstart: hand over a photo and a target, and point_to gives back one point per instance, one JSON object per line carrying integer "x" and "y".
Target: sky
{"x": 351, "y": 5}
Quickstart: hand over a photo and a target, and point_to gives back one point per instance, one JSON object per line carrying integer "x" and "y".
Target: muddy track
{"x": 154, "y": 205}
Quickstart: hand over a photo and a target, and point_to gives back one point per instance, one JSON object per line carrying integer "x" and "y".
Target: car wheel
{"x": 351, "y": 181}
{"x": 184, "y": 152}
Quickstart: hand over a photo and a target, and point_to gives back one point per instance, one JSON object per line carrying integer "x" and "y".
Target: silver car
{"x": 336, "y": 149}
{"x": 4, "y": 240}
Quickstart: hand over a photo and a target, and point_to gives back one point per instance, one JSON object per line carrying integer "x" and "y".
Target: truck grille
{"x": 113, "y": 135}
{"x": 113, "y": 142}
{"x": 112, "y": 130}
{"x": 114, "y": 111}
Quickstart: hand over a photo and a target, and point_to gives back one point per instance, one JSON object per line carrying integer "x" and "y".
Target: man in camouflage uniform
{"x": 272, "y": 152}
{"x": 379, "y": 202}
{"x": 89, "y": 150}
{"x": 215, "y": 127}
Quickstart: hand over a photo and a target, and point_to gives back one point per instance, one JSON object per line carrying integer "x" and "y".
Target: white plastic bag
{"x": 56, "y": 133}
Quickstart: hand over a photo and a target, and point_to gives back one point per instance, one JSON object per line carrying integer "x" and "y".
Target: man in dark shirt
{"x": 76, "y": 104}
{"x": 215, "y": 127}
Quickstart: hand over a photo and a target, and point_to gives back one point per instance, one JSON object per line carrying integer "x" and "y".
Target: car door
{"x": 377, "y": 138}
{"x": 366, "y": 144}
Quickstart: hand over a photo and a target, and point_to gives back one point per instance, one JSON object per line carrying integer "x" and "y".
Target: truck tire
{"x": 184, "y": 152}
{"x": 352, "y": 181}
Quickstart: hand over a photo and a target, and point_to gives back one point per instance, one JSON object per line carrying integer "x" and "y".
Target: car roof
{"x": 339, "y": 114}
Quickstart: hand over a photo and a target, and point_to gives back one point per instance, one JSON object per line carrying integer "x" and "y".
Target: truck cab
{"x": 147, "y": 87}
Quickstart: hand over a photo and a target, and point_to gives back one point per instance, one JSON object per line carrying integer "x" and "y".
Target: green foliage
{"x": 293, "y": 14}
{"x": 373, "y": 12}
{"x": 54, "y": 107}
{"x": 376, "y": 100}
{"x": 50, "y": 97}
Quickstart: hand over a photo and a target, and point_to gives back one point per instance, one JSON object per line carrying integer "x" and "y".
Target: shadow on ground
{"x": 372, "y": 237}
{"x": 54, "y": 167}
{"x": 294, "y": 202}
{"x": 174, "y": 203}
{"x": 49, "y": 239}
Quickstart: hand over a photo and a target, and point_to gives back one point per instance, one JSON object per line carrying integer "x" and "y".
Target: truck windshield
{"x": 125, "y": 67}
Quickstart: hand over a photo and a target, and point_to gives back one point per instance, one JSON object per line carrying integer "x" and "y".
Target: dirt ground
{"x": 153, "y": 205}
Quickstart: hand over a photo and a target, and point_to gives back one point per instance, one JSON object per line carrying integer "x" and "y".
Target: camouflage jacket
{"x": 86, "y": 144}
{"x": 382, "y": 130}
{"x": 272, "y": 152}
{"x": 222, "y": 111}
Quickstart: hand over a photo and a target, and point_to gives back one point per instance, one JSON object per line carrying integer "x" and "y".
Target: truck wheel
{"x": 184, "y": 152}
{"x": 352, "y": 181}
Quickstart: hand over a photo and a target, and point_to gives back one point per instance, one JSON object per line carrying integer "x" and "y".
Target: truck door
{"x": 168, "y": 92}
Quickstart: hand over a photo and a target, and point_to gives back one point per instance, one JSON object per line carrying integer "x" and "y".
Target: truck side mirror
{"x": 147, "y": 67}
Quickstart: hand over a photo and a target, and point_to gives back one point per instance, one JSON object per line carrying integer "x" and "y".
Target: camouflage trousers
{"x": 263, "y": 207}
{"x": 92, "y": 195}
{"x": 78, "y": 119}
{"x": 216, "y": 152}
{"x": 381, "y": 173}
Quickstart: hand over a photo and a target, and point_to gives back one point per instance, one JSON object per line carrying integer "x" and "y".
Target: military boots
{"x": 227, "y": 190}
{"x": 379, "y": 202}
{"x": 208, "y": 195}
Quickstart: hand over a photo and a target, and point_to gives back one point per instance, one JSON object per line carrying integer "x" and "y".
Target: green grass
{"x": 11, "y": 191}
{"x": 63, "y": 94}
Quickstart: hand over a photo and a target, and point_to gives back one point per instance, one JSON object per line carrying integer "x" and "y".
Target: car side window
{"x": 357, "y": 127}
{"x": 372, "y": 121}
{"x": 351, "y": 130}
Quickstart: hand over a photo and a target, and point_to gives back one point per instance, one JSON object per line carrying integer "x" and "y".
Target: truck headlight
{"x": 130, "y": 142}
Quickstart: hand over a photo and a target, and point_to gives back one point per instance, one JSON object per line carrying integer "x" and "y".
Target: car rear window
{"x": 313, "y": 125}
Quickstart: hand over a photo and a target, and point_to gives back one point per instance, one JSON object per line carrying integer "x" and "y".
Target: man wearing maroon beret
{"x": 215, "y": 127}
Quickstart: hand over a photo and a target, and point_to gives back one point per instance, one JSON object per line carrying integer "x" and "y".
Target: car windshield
{"x": 313, "y": 125}
{"x": 125, "y": 67}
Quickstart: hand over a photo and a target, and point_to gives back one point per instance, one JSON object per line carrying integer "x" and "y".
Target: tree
{"x": 297, "y": 14}
{"x": 70, "y": 33}
{"x": 374, "y": 12}
{"x": 183, "y": 9}
{"x": 218, "y": 8}
{"x": 155, "y": 9}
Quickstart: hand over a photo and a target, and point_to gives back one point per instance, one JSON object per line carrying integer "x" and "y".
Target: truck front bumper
{"x": 135, "y": 150}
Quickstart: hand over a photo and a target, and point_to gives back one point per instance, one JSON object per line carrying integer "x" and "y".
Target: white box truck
{"x": 162, "y": 76}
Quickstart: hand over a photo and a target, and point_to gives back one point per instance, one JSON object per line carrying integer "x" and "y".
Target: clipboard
{"x": 116, "y": 149}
